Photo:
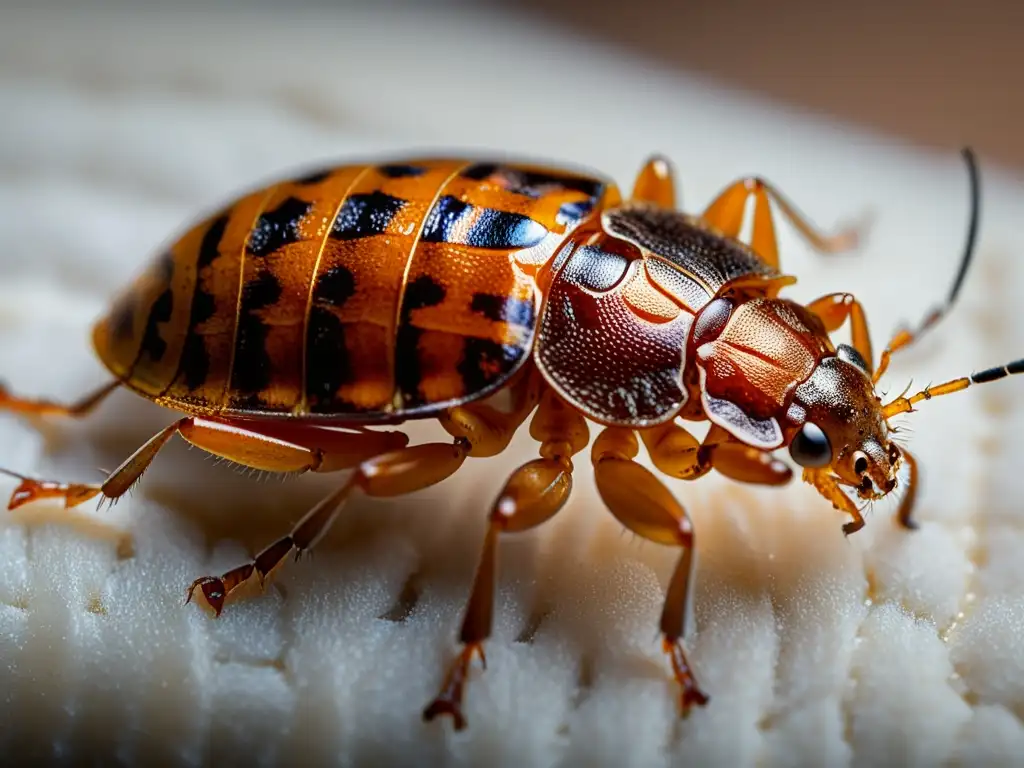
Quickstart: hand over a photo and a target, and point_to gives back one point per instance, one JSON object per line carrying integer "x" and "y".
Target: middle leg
{"x": 644, "y": 505}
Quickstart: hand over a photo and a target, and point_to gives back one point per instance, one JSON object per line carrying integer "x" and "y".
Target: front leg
{"x": 905, "y": 512}
{"x": 828, "y": 486}
{"x": 676, "y": 453}
{"x": 834, "y": 309}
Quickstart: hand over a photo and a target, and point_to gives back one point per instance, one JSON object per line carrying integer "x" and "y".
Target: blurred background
{"x": 939, "y": 73}
{"x": 936, "y": 73}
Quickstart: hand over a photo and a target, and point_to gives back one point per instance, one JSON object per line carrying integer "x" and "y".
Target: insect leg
{"x": 834, "y": 309}
{"x": 281, "y": 452}
{"x": 488, "y": 429}
{"x": 905, "y": 513}
{"x": 674, "y": 451}
{"x": 677, "y": 453}
{"x": 532, "y": 495}
{"x": 744, "y": 464}
{"x": 83, "y": 407}
{"x": 727, "y": 213}
{"x": 655, "y": 183}
{"x": 289, "y": 448}
{"x": 644, "y": 505}
{"x": 394, "y": 473}
{"x": 825, "y": 483}
{"x": 116, "y": 485}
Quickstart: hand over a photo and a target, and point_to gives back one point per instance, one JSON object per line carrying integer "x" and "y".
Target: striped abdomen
{"x": 362, "y": 290}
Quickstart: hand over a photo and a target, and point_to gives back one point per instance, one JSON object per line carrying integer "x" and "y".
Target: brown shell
{"x": 357, "y": 293}
{"x": 615, "y": 324}
{"x": 749, "y": 371}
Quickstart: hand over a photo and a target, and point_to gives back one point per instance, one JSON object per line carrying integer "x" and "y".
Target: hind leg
{"x": 385, "y": 466}
{"x": 272, "y": 449}
{"x": 40, "y": 407}
{"x": 393, "y": 473}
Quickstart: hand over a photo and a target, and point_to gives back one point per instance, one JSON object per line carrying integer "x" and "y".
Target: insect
{"x": 293, "y": 328}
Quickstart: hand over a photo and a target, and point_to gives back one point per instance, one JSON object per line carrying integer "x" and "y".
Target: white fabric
{"x": 121, "y": 125}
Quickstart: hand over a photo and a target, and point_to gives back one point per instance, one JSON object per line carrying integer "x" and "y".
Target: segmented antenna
{"x": 906, "y": 337}
{"x": 906, "y": 404}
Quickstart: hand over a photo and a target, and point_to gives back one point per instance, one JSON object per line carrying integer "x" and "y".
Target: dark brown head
{"x": 839, "y": 424}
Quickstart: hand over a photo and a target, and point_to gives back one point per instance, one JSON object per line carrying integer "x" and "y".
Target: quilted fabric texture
{"x": 122, "y": 125}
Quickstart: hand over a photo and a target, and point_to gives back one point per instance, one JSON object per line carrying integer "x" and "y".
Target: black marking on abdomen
{"x": 532, "y": 184}
{"x": 328, "y": 366}
{"x": 277, "y": 228}
{"x": 440, "y": 223}
{"x": 153, "y": 345}
{"x": 260, "y": 292}
{"x": 500, "y": 229}
{"x": 479, "y": 172}
{"x": 398, "y": 171}
{"x": 484, "y": 362}
{"x": 536, "y": 183}
{"x": 327, "y": 361}
{"x": 315, "y": 177}
{"x": 195, "y": 360}
{"x": 209, "y": 248}
{"x": 504, "y": 309}
{"x": 122, "y": 319}
{"x": 453, "y": 221}
{"x": 422, "y": 292}
{"x": 365, "y": 215}
{"x": 335, "y": 286}
{"x": 251, "y": 371}
{"x": 571, "y": 213}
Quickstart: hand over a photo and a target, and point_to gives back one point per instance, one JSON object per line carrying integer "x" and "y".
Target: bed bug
{"x": 293, "y": 327}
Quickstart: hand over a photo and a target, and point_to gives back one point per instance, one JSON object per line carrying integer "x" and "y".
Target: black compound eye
{"x": 860, "y": 464}
{"x": 810, "y": 447}
{"x": 850, "y": 355}
{"x": 894, "y": 453}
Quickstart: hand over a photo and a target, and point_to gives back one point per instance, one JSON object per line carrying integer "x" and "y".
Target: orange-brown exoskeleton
{"x": 289, "y": 327}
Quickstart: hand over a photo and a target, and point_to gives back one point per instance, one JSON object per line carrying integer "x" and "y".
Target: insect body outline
{"x": 291, "y": 327}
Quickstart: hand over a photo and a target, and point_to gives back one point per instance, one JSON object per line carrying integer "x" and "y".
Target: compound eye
{"x": 810, "y": 447}
{"x": 850, "y": 355}
{"x": 860, "y": 462}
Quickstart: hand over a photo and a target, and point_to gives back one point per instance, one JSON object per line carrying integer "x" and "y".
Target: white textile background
{"x": 121, "y": 125}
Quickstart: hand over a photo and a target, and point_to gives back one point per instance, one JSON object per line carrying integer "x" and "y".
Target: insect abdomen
{"x": 360, "y": 290}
